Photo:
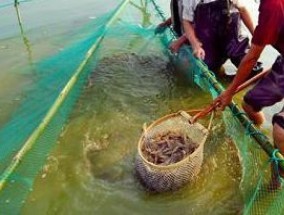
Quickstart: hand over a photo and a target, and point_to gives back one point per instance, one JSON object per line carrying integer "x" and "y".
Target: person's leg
{"x": 262, "y": 95}
{"x": 237, "y": 45}
{"x": 268, "y": 91}
{"x": 256, "y": 116}
{"x": 278, "y": 137}
{"x": 278, "y": 131}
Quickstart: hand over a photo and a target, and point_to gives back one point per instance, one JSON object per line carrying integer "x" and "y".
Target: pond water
{"x": 122, "y": 93}
{"x": 92, "y": 169}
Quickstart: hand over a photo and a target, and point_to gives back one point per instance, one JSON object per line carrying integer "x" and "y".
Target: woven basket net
{"x": 161, "y": 178}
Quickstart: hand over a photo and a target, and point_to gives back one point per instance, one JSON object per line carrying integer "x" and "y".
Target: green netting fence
{"x": 27, "y": 139}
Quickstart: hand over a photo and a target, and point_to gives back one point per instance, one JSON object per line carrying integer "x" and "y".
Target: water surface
{"x": 123, "y": 92}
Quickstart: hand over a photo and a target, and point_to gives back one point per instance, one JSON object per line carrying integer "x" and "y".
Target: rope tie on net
{"x": 251, "y": 133}
{"x": 202, "y": 75}
{"x": 239, "y": 114}
{"x": 275, "y": 161}
{"x": 249, "y": 125}
{"x": 202, "y": 67}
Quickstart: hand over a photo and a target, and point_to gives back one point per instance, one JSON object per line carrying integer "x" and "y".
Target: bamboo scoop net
{"x": 170, "y": 152}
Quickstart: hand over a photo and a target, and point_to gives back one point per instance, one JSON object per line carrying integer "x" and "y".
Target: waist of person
{"x": 216, "y": 6}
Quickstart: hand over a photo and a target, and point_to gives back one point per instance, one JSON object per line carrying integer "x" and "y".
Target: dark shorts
{"x": 269, "y": 91}
{"x": 220, "y": 36}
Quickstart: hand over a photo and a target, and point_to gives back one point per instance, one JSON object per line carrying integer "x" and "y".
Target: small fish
{"x": 168, "y": 148}
{"x": 144, "y": 128}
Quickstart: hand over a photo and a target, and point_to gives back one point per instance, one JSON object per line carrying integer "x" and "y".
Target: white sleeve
{"x": 188, "y": 10}
{"x": 239, "y": 3}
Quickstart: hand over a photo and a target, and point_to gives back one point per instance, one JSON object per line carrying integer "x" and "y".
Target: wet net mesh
{"x": 32, "y": 131}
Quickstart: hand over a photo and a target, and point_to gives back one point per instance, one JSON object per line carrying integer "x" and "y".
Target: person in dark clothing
{"x": 213, "y": 30}
{"x": 270, "y": 89}
{"x": 176, "y": 22}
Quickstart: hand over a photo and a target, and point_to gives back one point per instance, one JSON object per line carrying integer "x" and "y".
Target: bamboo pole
{"x": 246, "y": 84}
{"x": 60, "y": 99}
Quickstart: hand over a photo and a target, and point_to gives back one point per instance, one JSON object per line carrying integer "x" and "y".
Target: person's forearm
{"x": 190, "y": 34}
{"x": 246, "y": 17}
{"x": 182, "y": 39}
{"x": 243, "y": 72}
{"x": 246, "y": 66}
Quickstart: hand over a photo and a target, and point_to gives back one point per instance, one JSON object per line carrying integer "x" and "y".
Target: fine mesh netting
{"x": 253, "y": 146}
{"x": 170, "y": 175}
{"x": 27, "y": 138}
{"x": 32, "y": 131}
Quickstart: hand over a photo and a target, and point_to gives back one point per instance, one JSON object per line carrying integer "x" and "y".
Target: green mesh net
{"x": 30, "y": 134}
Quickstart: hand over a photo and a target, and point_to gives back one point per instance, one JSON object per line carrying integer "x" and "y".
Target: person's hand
{"x": 199, "y": 52}
{"x": 161, "y": 28}
{"x": 175, "y": 46}
{"x": 224, "y": 99}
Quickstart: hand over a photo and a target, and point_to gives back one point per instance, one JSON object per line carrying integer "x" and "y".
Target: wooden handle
{"x": 252, "y": 80}
{"x": 211, "y": 107}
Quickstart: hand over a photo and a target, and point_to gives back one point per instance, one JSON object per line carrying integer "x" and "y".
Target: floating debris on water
{"x": 168, "y": 148}
{"x": 4, "y": 47}
{"x": 51, "y": 166}
{"x": 90, "y": 145}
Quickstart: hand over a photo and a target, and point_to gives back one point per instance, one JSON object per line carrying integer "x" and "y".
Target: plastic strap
{"x": 251, "y": 133}
{"x": 248, "y": 128}
{"x": 236, "y": 112}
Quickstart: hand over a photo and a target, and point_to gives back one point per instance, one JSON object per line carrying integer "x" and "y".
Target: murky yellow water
{"x": 94, "y": 160}
{"x": 124, "y": 92}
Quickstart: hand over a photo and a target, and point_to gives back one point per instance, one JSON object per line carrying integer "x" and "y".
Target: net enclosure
{"x": 39, "y": 119}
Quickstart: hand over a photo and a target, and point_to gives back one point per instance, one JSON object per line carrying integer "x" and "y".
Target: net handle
{"x": 186, "y": 115}
{"x": 213, "y": 107}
